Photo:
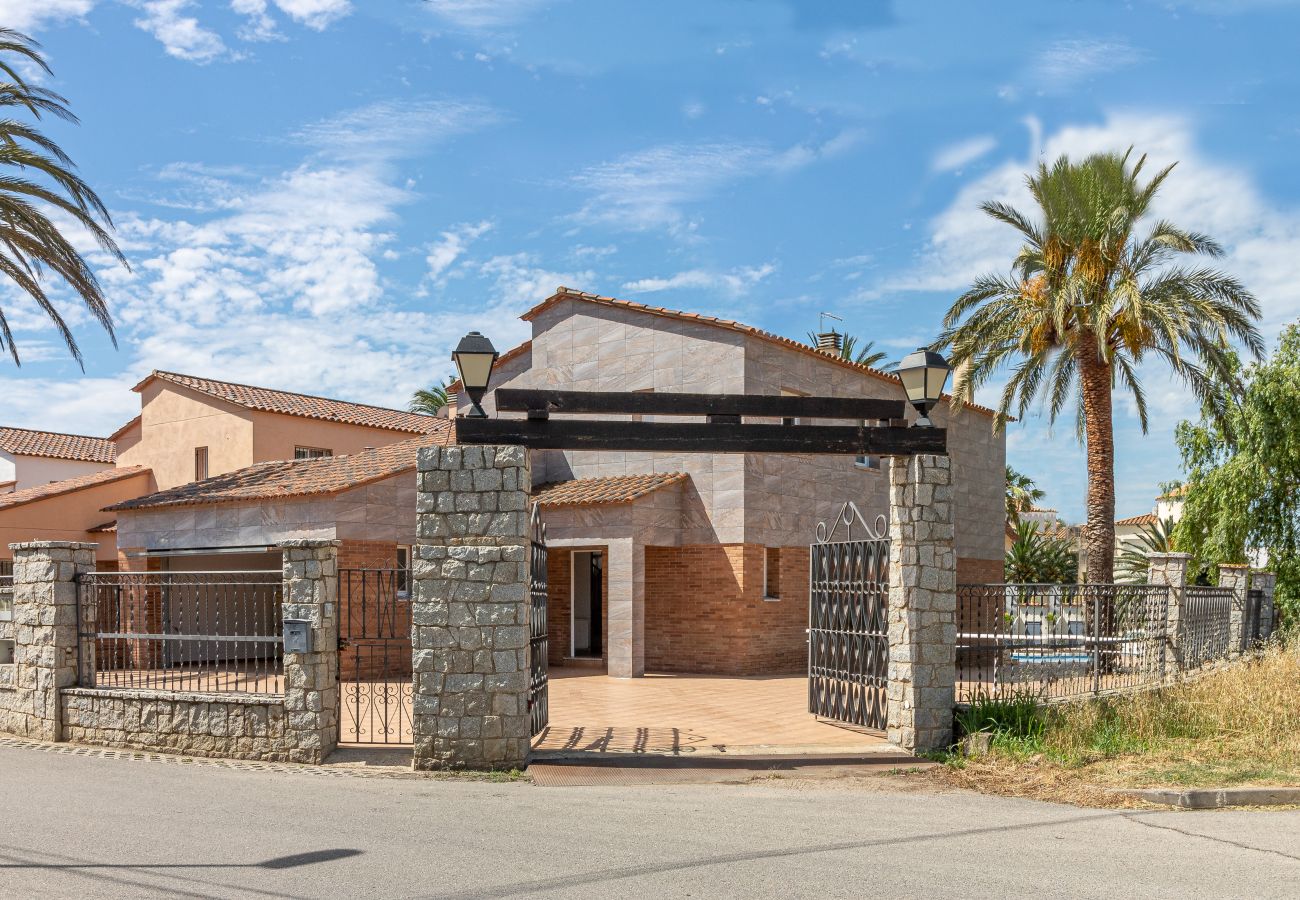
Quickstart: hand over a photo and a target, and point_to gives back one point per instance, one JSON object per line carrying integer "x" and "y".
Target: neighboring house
{"x": 70, "y": 510}
{"x": 1050, "y": 525}
{"x": 699, "y": 562}
{"x": 1168, "y": 506}
{"x": 30, "y": 458}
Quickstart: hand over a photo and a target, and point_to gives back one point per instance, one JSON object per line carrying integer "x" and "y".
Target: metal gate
{"x": 538, "y": 639}
{"x": 375, "y": 656}
{"x": 848, "y": 640}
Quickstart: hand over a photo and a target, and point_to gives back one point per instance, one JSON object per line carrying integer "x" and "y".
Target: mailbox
{"x": 297, "y": 636}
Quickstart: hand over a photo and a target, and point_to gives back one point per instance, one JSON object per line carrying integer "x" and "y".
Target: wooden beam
{"x": 701, "y": 437}
{"x": 539, "y": 403}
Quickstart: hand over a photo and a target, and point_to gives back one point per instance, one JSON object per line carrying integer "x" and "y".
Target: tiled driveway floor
{"x": 691, "y": 715}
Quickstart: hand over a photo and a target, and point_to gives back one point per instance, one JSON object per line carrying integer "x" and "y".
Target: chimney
{"x": 830, "y": 342}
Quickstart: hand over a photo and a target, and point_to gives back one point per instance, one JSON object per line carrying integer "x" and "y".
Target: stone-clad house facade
{"x": 706, "y": 569}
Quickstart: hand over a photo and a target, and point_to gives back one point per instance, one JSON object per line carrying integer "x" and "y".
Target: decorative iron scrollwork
{"x": 847, "y": 516}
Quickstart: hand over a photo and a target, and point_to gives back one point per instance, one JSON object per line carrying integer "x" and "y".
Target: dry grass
{"x": 1236, "y": 726}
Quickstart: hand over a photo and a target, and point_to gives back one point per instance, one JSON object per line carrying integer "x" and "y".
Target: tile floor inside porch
{"x": 691, "y": 715}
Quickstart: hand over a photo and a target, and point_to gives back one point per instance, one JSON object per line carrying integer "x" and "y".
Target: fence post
{"x": 1170, "y": 570}
{"x": 45, "y": 635}
{"x": 1236, "y": 576}
{"x": 311, "y": 686}
{"x": 1266, "y": 584}
{"x": 922, "y": 603}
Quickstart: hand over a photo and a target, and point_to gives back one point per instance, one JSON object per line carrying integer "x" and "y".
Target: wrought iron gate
{"x": 538, "y": 640}
{"x": 848, "y": 640}
{"x": 375, "y": 656}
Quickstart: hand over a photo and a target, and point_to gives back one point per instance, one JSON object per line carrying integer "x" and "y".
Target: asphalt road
{"x": 91, "y": 827}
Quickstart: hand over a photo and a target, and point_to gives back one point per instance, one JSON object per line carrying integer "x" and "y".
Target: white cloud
{"x": 393, "y": 128}
{"x": 733, "y": 283}
{"x": 650, "y": 188}
{"x": 260, "y": 25}
{"x": 962, "y": 153}
{"x": 29, "y": 15}
{"x": 1068, "y": 62}
{"x": 181, "y": 35}
{"x": 483, "y": 14}
{"x": 452, "y": 244}
{"x": 317, "y": 14}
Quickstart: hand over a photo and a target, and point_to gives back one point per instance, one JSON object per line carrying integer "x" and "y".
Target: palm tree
{"x": 867, "y": 356}
{"x": 431, "y": 399}
{"x": 1133, "y": 562}
{"x": 1022, "y": 494}
{"x": 1088, "y": 300}
{"x": 40, "y": 178}
{"x": 1036, "y": 558}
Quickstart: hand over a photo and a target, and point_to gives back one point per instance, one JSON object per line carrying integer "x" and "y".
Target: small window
{"x": 403, "y": 572}
{"x": 772, "y": 573}
{"x": 200, "y": 463}
{"x": 6, "y": 652}
{"x": 1034, "y": 629}
{"x": 311, "y": 452}
{"x": 791, "y": 420}
{"x": 1075, "y": 628}
{"x": 867, "y": 462}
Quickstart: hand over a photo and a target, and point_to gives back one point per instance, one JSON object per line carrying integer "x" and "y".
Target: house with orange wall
{"x": 30, "y": 458}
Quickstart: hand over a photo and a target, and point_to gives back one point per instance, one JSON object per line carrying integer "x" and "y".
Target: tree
{"x": 1242, "y": 460}
{"x": 1022, "y": 495}
{"x": 38, "y": 179}
{"x": 1036, "y": 558}
{"x": 867, "y": 356}
{"x": 1134, "y": 562}
{"x": 1088, "y": 299}
{"x": 431, "y": 399}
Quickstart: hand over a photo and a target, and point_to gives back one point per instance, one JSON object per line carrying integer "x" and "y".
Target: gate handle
{"x": 344, "y": 643}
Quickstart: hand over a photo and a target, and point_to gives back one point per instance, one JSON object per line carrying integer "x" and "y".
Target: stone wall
{"x": 470, "y": 609}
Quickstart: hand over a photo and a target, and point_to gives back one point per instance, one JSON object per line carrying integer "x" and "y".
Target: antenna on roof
{"x": 830, "y": 341}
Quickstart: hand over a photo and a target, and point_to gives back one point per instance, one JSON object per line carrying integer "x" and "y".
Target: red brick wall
{"x": 979, "y": 571}
{"x": 705, "y": 612}
{"x": 377, "y": 626}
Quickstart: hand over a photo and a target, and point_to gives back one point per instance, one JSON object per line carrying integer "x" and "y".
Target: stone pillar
{"x": 1170, "y": 570}
{"x": 311, "y": 680}
{"x": 44, "y": 635}
{"x": 1237, "y": 577}
{"x": 469, "y": 613}
{"x": 1266, "y": 584}
{"x": 922, "y": 603}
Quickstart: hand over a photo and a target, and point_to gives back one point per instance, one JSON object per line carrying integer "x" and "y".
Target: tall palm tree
{"x": 37, "y": 178}
{"x": 431, "y": 399}
{"x": 1022, "y": 494}
{"x": 1088, "y": 300}
{"x": 866, "y": 356}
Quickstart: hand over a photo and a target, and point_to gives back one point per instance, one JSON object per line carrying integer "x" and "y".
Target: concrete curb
{"x": 1216, "y": 798}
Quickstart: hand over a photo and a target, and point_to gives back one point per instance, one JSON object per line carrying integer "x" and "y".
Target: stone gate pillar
{"x": 469, "y": 609}
{"x": 311, "y": 690}
{"x": 1266, "y": 584}
{"x": 922, "y": 603}
{"x": 1237, "y": 578}
{"x": 1170, "y": 569}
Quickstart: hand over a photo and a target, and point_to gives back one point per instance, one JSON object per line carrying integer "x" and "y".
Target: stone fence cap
{"x": 53, "y": 545}
{"x": 310, "y": 542}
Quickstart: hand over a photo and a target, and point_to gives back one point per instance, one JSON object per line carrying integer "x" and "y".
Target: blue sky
{"x": 323, "y": 195}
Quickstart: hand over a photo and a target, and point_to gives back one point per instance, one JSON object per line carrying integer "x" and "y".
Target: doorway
{"x": 586, "y": 626}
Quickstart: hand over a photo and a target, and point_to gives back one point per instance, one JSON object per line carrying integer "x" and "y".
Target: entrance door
{"x": 588, "y": 583}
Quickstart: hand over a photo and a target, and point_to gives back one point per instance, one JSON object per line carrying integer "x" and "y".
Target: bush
{"x": 1015, "y": 721}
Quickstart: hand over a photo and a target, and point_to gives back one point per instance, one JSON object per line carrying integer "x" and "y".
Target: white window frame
{"x": 300, "y": 452}
{"x": 403, "y": 568}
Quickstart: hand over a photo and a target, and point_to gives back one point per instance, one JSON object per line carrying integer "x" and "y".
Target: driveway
{"x": 85, "y": 825}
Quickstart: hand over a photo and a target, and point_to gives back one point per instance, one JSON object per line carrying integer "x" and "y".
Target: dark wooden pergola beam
{"x": 541, "y": 403}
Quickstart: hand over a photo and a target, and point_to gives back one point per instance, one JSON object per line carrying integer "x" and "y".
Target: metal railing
{"x": 1057, "y": 641}
{"x": 1205, "y": 625}
{"x": 181, "y": 631}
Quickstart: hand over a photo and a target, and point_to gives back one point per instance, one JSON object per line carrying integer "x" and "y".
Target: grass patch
{"x": 1237, "y": 726}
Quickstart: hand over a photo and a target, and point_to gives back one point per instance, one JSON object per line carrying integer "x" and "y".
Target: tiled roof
{"x": 69, "y": 485}
{"x": 602, "y": 491}
{"x": 57, "y": 446}
{"x": 1180, "y": 491}
{"x": 104, "y": 528}
{"x": 305, "y": 405}
{"x": 294, "y": 478}
{"x": 1144, "y": 519}
{"x": 124, "y": 429}
{"x": 563, "y": 293}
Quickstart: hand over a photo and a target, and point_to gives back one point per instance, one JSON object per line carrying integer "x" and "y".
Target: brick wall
{"x": 376, "y": 625}
{"x": 979, "y": 571}
{"x": 559, "y": 587}
{"x": 705, "y": 612}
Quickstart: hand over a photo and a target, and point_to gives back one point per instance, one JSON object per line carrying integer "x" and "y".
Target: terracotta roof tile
{"x": 104, "y": 528}
{"x": 305, "y": 405}
{"x": 69, "y": 485}
{"x": 1144, "y": 519}
{"x": 294, "y": 478}
{"x": 563, "y": 293}
{"x": 54, "y": 445}
{"x": 602, "y": 491}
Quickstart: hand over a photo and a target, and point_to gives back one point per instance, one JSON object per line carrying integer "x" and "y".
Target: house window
{"x": 403, "y": 578}
{"x": 867, "y": 462}
{"x": 772, "y": 573}
{"x": 311, "y": 452}
{"x": 200, "y": 463}
{"x": 6, "y": 652}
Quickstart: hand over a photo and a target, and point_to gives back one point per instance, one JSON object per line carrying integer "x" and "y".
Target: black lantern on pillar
{"x": 474, "y": 357}
{"x": 923, "y": 373}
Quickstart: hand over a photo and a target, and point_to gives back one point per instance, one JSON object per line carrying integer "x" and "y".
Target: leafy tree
{"x": 866, "y": 356}
{"x": 1133, "y": 562}
{"x": 431, "y": 399}
{"x": 38, "y": 179}
{"x": 1088, "y": 299}
{"x": 1242, "y": 460}
{"x": 1022, "y": 495}
{"x": 1036, "y": 558}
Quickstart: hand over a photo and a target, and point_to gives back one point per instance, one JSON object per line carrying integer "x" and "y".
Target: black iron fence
{"x": 1205, "y": 625}
{"x": 181, "y": 631}
{"x": 375, "y": 656}
{"x": 1056, "y": 641}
